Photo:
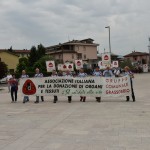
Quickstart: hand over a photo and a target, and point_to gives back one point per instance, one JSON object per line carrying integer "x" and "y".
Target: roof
{"x": 6, "y": 51}
{"x": 134, "y": 53}
{"x": 22, "y": 51}
{"x": 57, "y": 52}
{"x": 84, "y": 41}
{"x": 17, "y": 51}
{"x": 87, "y": 41}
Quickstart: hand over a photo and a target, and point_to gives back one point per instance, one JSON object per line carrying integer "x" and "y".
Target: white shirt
{"x": 38, "y": 75}
{"x": 97, "y": 73}
{"x": 107, "y": 73}
{"x": 9, "y": 77}
{"x": 24, "y": 76}
{"x": 82, "y": 75}
{"x": 116, "y": 71}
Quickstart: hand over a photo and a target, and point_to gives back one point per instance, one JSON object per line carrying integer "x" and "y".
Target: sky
{"x": 27, "y": 23}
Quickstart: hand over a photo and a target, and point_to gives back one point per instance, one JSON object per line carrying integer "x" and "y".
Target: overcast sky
{"x": 24, "y": 23}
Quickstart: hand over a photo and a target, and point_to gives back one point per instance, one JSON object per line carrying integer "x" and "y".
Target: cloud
{"x": 28, "y": 22}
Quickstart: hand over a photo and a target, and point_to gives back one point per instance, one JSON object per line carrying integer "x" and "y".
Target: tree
{"x": 3, "y": 69}
{"x": 23, "y": 65}
{"x": 32, "y": 56}
{"x": 10, "y": 49}
{"x": 126, "y": 62}
{"x": 41, "y": 63}
{"x": 40, "y": 51}
{"x": 24, "y": 59}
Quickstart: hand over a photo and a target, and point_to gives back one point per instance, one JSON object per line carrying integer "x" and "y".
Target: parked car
{"x": 3, "y": 80}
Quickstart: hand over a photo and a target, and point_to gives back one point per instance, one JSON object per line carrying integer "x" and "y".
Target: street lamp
{"x": 109, "y": 39}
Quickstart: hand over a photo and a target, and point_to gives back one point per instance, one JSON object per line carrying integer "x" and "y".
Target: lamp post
{"x": 109, "y": 39}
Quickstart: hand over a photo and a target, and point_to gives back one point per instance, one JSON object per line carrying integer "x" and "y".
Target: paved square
{"x": 113, "y": 124}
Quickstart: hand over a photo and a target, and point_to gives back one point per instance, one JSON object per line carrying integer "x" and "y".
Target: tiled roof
{"x": 22, "y": 51}
{"x": 136, "y": 54}
{"x": 17, "y": 51}
{"x": 12, "y": 53}
{"x": 87, "y": 41}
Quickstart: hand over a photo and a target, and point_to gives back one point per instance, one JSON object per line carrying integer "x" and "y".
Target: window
{"x": 79, "y": 56}
{"x": 84, "y": 48}
{"x": 59, "y": 56}
{"x": 84, "y": 56}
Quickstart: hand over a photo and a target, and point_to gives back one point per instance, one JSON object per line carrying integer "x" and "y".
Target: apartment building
{"x": 85, "y": 50}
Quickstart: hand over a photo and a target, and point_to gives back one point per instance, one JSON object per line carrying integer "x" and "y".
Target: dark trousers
{"x": 55, "y": 99}
{"x": 69, "y": 99}
{"x": 132, "y": 92}
{"x": 98, "y": 99}
{"x": 82, "y": 98}
{"x": 37, "y": 98}
{"x": 13, "y": 91}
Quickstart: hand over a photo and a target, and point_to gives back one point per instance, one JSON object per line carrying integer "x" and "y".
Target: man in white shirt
{"x": 68, "y": 74}
{"x": 38, "y": 74}
{"x": 108, "y": 72}
{"x": 117, "y": 72}
{"x": 97, "y": 73}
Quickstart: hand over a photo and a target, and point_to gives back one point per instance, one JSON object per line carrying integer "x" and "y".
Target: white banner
{"x": 101, "y": 65}
{"x": 70, "y": 67}
{"x": 145, "y": 68}
{"x": 115, "y": 64}
{"x": 78, "y": 64}
{"x": 88, "y": 86}
{"x": 106, "y": 59}
{"x": 60, "y": 66}
{"x": 50, "y": 65}
{"x": 65, "y": 67}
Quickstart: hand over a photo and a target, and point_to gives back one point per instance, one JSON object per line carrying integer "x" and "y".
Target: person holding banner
{"x": 130, "y": 73}
{"x": 60, "y": 73}
{"x": 68, "y": 74}
{"x": 82, "y": 74}
{"x": 97, "y": 73}
{"x": 54, "y": 74}
{"x": 38, "y": 75}
{"x": 24, "y": 75}
{"x": 14, "y": 87}
{"x": 117, "y": 72}
{"x": 108, "y": 72}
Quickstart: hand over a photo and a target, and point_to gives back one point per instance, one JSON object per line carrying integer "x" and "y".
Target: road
{"x": 113, "y": 124}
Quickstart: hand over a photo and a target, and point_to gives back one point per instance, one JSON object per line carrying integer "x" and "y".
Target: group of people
{"x": 108, "y": 72}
